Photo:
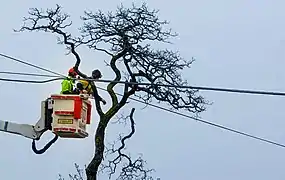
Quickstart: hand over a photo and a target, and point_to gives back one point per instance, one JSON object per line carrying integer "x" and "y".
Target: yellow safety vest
{"x": 86, "y": 86}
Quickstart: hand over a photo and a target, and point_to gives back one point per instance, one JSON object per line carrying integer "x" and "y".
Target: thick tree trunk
{"x": 92, "y": 168}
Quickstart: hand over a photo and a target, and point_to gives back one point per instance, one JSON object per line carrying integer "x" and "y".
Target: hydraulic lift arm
{"x": 64, "y": 115}
{"x": 33, "y": 132}
{"x": 25, "y": 130}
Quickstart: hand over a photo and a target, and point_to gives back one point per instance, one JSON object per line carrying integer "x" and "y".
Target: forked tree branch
{"x": 131, "y": 169}
{"x": 54, "y": 21}
{"x": 125, "y": 36}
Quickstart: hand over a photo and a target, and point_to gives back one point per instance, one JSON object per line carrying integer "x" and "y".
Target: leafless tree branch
{"x": 79, "y": 175}
{"x": 128, "y": 32}
{"x": 125, "y": 35}
{"x": 131, "y": 169}
{"x": 55, "y": 21}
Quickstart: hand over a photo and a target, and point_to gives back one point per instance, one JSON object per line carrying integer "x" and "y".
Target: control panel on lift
{"x": 68, "y": 115}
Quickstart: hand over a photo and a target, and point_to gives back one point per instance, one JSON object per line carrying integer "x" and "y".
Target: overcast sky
{"x": 237, "y": 44}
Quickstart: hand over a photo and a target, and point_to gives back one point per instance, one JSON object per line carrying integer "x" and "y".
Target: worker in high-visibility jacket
{"x": 96, "y": 74}
{"x": 67, "y": 85}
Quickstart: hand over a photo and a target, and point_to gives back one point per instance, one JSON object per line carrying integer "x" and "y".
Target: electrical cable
{"x": 162, "y": 85}
{"x": 46, "y": 147}
{"x": 30, "y": 81}
{"x": 197, "y": 87}
{"x": 165, "y": 109}
{"x": 205, "y": 122}
{"x": 27, "y": 74}
{"x": 29, "y": 64}
{"x": 159, "y": 107}
{"x": 133, "y": 83}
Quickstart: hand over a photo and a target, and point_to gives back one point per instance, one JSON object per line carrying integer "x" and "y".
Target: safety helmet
{"x": 96, "y": 74}
{"x": 72, "y": 71}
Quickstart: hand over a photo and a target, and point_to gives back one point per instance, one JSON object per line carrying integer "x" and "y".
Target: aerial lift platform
{"x": 65, "y": 115}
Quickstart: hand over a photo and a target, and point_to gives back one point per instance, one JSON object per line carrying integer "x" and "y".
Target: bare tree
{"x": 126, "y": 36}
{"x": 79, "y": 175}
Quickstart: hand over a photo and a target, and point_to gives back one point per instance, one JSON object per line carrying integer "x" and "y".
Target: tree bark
{"x": 92, "y": 168}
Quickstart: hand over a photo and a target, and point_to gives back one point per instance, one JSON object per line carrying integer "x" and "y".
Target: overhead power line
{"x": 196, "y": 87}
{"x": 29, "y": 64}
{"x": 205, "y": 122}
{"x": 152, "y": 84}
{"x": 165, "y": 109}
{"x": 174, "y": 112}
{"x": 27, "y": 74}
{"x": 163, "y": 85}
{"x": 30, "y": 81}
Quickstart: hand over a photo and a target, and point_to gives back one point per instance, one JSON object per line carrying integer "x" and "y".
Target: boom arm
{"x": 33, "y": 131}
{"x": 45, "y": 122}
{"x": 26, "y": 130}
{"x": 20, "y": 129}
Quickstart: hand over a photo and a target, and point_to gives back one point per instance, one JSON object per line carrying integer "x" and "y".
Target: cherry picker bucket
{"x": 71, "y": 114}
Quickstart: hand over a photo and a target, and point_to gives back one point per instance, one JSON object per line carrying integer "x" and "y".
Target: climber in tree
{"x": 96, "y": 74}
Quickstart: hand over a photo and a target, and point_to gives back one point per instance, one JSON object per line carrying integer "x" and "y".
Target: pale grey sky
{"x": 237, "y": 44}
